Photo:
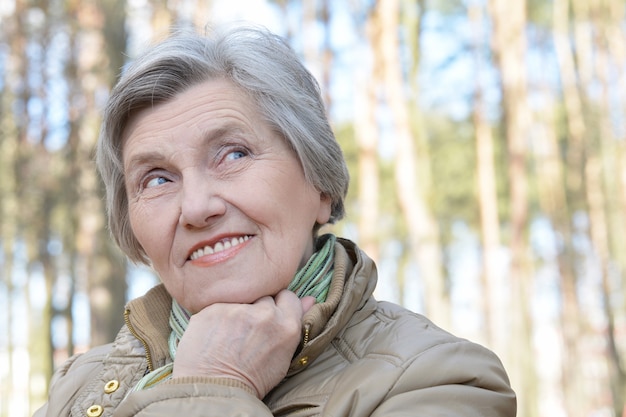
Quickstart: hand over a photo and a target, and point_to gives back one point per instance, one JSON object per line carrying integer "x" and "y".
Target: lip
{"x": 221, "y": 255}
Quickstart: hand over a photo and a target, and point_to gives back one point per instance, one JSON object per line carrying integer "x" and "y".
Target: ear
{"x": 323, "y": 215}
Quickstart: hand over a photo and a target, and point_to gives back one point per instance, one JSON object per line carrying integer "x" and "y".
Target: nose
{"x": 200, "y": 203}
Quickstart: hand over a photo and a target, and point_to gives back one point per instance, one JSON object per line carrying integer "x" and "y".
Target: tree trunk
{"x": 599, "y": 236}
{"x": 612, "y": 204}
{"x": 509, "y": 45}
{"x": 556, "y": 205}
{"x": 9, "y": 205}
{"x": 367, "y": 175}
{"x": 366, "y": 134}
{"x": 583, "y": 40}
{"x": 328, "y": 55}
{"x": 494, "y": 303}
{"x": 318, "y": 55}
{"x": 421, "y": 224}
{"x": 100, "y": 270}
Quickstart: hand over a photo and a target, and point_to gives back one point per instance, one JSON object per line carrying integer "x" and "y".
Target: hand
{"x": 253, "y": 343}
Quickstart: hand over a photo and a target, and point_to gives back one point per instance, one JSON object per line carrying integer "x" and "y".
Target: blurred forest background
{"x": 486, "y": 141}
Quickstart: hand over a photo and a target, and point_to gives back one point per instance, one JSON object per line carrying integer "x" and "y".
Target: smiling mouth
{"x": 219, "y": 247}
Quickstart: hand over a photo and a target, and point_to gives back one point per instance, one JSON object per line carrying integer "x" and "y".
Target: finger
{"x": 307, "y": 302}
{"x": 265, "y": 299}
{"x": 288, "y": 301}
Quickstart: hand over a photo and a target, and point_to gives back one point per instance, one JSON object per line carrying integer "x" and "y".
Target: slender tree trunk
{"x": 599, "y": 236}
{"x": 367, "y": 137}
{"x": 592, "y": 20}
{"x": 318, "y": 55}
{"x": 494, "y": 302}
{"x": 202, "y": 13}
{"x": 100, "y": 269}
{"x": 8, "y": 235}
{"x": 44, "y": 329}
{"x": 25, "y": 212}
{"x": 611, "y": 65}
{"x": 328, "y": 54}
{"x": 583, "y": 40}
{"x": 509, "y": 44}
{"x": 310, "y": 47}
{"x": 41, "y": 164}
{"x": 614, "y": 262}
{"x": 553, "y": 201}
{"x": 422, "y": 225}
{"x": 611, "y": 148}
{"x": 367, "y": 176}
{"x": 9, "y": 204}
{"x": 557, "y": 207}
{"x": 162, "y": 16}
{"x": 616, "y": 44}
{"x": 72, "y": 193}
{"x": 571, "y": 96}
{"x": 616, "y": 48}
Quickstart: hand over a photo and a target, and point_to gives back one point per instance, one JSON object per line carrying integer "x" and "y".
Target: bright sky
{"x": 258, "y": 11}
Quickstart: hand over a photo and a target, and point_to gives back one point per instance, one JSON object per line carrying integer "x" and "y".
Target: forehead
{"x": 210, "y": 105}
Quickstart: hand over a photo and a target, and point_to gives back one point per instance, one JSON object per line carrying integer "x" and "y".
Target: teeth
{"x": 219, "y": 246}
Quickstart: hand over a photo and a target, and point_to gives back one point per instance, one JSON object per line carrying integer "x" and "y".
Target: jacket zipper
{"x": 143, "y": 342}
{"x": 307, "y": 331}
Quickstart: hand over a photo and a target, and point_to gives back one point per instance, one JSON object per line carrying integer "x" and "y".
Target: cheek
{"x": 147, "y": 227}
{"x": 137, "y": 217}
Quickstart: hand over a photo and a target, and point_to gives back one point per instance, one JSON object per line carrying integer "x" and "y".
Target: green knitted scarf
{"x": 311, "y": 280}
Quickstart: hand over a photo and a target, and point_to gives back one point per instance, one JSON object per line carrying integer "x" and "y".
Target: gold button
{"x": 111, "y": 386}
{"x": 95, "y": 411}
{"x": 304, "y": 360}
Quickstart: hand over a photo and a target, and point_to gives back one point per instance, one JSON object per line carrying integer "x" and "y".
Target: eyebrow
{"x": 142, "y": 158}
{"x": 208, "y": 136}
{"x": 220, "y": 132}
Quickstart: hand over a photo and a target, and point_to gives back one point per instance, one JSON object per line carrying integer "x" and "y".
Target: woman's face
{"x": 218, "y": 200}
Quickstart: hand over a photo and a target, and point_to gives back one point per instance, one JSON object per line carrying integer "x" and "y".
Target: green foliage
{"x": 453, "y": 162}
{"x": 539, "y": 13}
{"x": 447, "y": 7}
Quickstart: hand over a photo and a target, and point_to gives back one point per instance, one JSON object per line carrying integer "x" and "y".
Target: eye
{"x": 155, "y": 181}
{"x": 237, "y": 154}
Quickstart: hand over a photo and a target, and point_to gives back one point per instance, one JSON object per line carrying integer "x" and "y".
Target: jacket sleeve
{"x": 194, "y": 397}
{"x": 457, "y": 378}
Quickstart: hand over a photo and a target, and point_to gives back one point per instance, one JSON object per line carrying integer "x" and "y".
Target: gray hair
{"x": 258, "y": 62}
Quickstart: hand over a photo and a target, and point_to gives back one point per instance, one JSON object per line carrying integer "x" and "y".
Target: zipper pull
{"x": 307, "y": 331}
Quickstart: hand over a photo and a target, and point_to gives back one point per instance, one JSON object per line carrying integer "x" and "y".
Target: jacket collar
{"x": 354, "y": 280}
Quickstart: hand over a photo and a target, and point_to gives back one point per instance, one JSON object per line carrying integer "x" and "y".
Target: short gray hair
{"x": 258, "y": 62}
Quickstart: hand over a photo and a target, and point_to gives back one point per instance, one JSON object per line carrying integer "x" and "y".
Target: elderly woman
{"x": 220, "y": 168}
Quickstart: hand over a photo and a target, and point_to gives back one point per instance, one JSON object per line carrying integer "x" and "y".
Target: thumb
{"x": 307, "y": 302}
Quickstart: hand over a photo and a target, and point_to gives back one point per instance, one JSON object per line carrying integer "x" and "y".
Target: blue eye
{"x": 153, "y": 182}
{"x": 235, "y": 155}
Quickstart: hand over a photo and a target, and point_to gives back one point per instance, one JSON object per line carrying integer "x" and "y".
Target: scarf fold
{"x": 313, "y": 279}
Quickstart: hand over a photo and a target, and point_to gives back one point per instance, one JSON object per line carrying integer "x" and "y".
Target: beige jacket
{"x": 363, "y": 358}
